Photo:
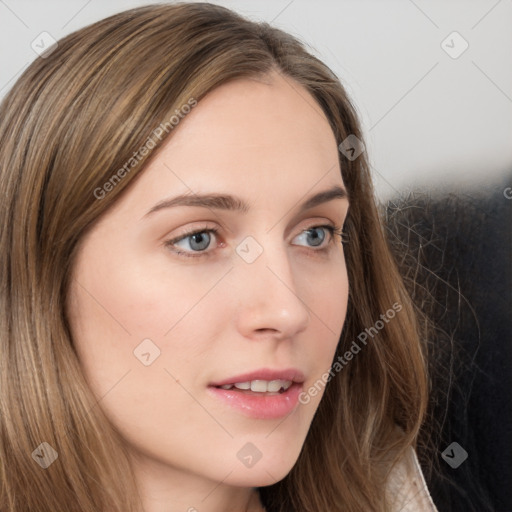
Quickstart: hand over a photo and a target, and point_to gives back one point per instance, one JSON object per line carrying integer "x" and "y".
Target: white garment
{"x": 407, "y": 487}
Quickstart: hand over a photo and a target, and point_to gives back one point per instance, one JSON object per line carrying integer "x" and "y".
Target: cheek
{"x": 328, "y": 299}
{"x": 133, "y": 298}
{"x": 127, "y": 311}
{"x": 326, "y": 295}
{"x": 115, "y": 311}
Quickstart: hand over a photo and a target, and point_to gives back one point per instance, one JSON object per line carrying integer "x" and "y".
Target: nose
{"x": 269, "y": 296}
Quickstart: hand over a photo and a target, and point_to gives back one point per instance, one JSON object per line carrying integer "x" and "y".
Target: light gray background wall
{"x": 432, "y": 113}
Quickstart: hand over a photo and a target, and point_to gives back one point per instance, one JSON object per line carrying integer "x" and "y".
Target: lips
{"x": 292, "y": 374}
{"x": 260, "y": 405}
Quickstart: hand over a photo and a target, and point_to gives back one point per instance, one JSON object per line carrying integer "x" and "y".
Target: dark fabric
{"x": 463, "y": 245}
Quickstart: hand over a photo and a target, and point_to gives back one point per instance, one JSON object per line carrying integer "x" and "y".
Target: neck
{"x": 161, "y": 485}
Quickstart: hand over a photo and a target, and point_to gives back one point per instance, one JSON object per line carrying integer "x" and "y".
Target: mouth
{"x": 263, "y": 394}
{"x": 258, "y": 387}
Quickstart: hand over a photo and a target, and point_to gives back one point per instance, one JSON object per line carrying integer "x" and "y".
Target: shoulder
{"x": 407, "y": 488}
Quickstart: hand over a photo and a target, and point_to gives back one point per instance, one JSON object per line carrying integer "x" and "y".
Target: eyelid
{"x": 333, "y": 228}
{"x": 193, "y": 231}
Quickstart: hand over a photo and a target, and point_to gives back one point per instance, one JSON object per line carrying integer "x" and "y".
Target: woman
{"x": 182, "y": 328}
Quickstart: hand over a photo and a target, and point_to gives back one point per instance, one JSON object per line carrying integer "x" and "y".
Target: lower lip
{"x": 262, "y": 407}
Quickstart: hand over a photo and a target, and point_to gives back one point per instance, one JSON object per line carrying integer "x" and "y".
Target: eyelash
{"x": 333, "y": 230}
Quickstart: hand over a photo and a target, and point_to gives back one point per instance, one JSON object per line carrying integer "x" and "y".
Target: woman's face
{"x": 262, "y": 299}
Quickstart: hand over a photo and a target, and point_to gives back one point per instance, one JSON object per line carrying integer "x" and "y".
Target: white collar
{"x": 407, "y": 488}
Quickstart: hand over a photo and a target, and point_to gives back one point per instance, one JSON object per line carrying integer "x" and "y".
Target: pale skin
{"x": 212, "y": 317}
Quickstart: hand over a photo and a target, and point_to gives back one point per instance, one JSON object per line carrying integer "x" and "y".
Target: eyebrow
{"x": 233, "y": 203}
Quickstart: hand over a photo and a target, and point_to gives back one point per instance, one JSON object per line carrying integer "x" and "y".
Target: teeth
{"x": 261, "y": 386}
{"x": 275, "y": 385}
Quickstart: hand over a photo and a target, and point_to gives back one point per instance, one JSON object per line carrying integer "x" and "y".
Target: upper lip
{"x": 292, "y": 374}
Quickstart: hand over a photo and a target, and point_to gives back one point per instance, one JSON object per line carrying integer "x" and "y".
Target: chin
{"x": 261, "y": 480}
{"x": 260, "y": 475}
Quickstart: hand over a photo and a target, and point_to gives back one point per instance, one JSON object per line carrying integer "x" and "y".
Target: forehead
{"x": 265, "y": 140}
{"x": 264, "y": 112}
{"x": 270, "y": 128}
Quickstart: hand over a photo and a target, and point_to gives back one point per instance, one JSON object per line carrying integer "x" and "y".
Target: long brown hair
{"x": 72, "y": 120}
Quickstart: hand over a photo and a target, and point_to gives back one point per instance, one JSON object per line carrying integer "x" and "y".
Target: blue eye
{"x": 313, "y": 234}
{"x": 199, "y": 240}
